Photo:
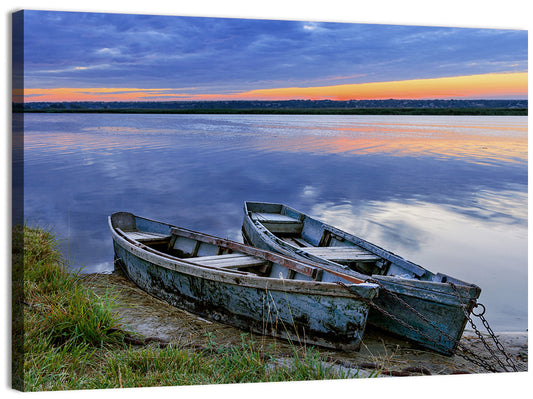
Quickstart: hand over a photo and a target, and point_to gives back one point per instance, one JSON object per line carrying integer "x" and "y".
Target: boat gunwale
{"x": 466, "y": 290}
{"x": 312, "y": 287}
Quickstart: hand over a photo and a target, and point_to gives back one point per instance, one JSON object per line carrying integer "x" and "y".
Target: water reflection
{"x": 440, "y": 238}
{"x": 483, "y": 143}
{"x": 447, "y": 192}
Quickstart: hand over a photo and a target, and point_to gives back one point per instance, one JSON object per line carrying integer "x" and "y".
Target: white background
{"x": 505, "y": 14}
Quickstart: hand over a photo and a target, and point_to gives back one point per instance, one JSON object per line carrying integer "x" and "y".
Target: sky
{"x": 76, "y": 56}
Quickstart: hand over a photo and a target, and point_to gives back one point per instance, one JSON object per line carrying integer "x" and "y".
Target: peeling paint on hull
{"x": 311, "y": 312}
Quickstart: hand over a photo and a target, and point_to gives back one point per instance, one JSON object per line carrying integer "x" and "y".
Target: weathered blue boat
{"x": 429, "y": 309}
{"x": 246, "y": 287}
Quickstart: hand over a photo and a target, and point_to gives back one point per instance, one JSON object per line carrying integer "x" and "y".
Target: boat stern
{"x": 123, "y": 220}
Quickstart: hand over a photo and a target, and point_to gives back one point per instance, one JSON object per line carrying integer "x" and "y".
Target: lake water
{"x": 447, "y": 192}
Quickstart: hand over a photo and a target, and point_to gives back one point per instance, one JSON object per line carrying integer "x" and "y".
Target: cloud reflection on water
{"x": 490, "y": 252}
{"x": 427, "y": 189}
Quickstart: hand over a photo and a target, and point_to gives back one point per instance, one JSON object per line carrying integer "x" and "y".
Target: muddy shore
{"x": 154, "y": 321}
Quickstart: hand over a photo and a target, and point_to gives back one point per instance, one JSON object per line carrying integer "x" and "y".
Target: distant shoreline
{"x": 286, "y": 107}
{"x": 333, "y": 111}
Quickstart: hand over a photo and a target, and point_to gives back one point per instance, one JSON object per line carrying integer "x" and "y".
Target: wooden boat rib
{"x": 438, "y": 319}
{"x": 246, "y": 287}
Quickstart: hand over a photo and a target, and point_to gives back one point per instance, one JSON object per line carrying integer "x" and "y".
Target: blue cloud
{"x": 120, "y": 50}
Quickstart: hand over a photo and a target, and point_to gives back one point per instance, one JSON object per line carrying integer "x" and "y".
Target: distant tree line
{"x": 353, "y": 107}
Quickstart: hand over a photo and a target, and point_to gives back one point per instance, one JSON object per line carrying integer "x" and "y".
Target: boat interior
{"x": 321, "y": 242}
{"x": 198, "y": 252}
{"x": 215, "y": 253}
{"x": 309, "y": 235}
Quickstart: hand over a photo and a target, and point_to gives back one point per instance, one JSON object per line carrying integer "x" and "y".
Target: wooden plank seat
{"x": 340, "y": 254}
{"x": 296, "y": 241}
{"x": 147, "y": 237}
{"x": 229, "y": 261}
{"x": 273, "y": 218}
{"x": 278, "y": 223}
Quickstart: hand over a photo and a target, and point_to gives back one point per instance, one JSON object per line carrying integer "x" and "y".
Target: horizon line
{"x": 283, "y": 100}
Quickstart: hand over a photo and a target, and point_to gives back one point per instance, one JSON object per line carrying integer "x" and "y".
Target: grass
{"x": 73, "y": 339}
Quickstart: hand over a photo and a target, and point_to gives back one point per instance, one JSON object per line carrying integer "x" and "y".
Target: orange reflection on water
{"x": 108, "y": 138}
{"x": 483, "y": 143}
{"x": 475, "y": 149}
{"x": 476, "y": 139}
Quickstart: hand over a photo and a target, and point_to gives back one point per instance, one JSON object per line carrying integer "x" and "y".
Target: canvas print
{"x": 203, "y": 201}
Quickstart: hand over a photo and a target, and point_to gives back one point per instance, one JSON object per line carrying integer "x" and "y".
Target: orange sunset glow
{"x": 494, "y": 85}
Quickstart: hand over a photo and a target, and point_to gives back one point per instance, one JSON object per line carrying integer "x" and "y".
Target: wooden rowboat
{"x": 413, "y": 302}
{"x": 246, "y": 287}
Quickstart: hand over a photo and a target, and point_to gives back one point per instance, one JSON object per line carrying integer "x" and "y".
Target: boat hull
{"x": 307, "y": 312}
{"x": 442, "y": 309}
{"x": 428, "y": 313}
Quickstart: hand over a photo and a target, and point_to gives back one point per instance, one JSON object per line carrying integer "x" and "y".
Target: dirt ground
{"x": 153, "y": 320}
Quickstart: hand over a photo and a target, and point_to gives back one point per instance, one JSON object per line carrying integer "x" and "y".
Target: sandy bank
{"x": 161, "y": 323}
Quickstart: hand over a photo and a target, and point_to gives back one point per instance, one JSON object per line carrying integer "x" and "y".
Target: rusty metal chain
{"x": 466, "y": 354}
{"x": 398, "y": 320}
{"x": 499, "y": 345}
